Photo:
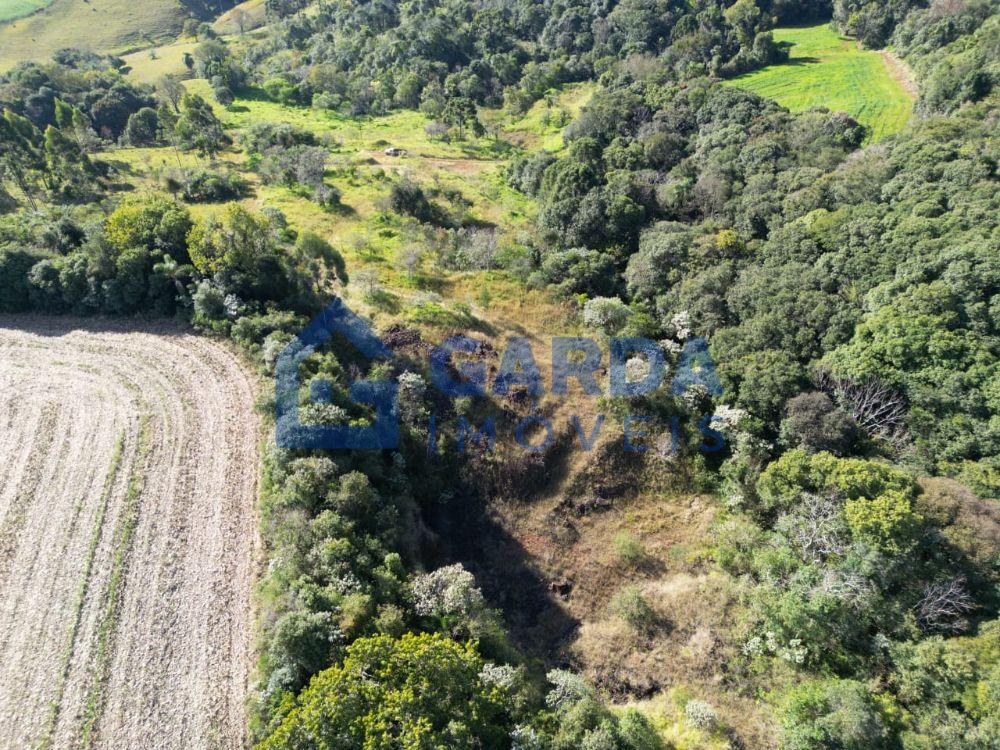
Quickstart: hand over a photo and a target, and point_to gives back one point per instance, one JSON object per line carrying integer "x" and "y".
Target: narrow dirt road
{"x": 128, "y": 544}
{"x": 901, "y": 72}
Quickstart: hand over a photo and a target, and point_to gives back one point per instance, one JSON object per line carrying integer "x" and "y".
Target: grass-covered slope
{"x": 148, "y": 65}
{"x": 363, "y": 174}
{"x": 98, "y": 25}
{"x": 11, "y": 9}
{"x": 829, "y": 70}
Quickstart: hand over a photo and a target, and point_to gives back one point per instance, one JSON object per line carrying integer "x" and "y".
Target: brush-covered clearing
{"x": 527, "y": 567}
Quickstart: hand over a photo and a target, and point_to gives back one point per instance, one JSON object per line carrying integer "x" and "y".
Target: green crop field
{"x": 829, "y": 70}
{"x": 11, "y": 9}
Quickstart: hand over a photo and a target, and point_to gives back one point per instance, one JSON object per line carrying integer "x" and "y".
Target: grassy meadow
{"x": 541, "y": 127}
{"x": 250, "y": 14}
{"x": 829, "y": 70}
{"x": 12, "y": 9}
{"x": 100, "y": 25}
{"x": 373, "y": 241}
{"x": 148, "y": 65}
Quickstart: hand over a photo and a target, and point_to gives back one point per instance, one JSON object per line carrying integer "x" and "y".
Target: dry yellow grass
{"x": 148, "y": 65}
{"x": 250, "y": 14}
{"x": 98, "y": 25}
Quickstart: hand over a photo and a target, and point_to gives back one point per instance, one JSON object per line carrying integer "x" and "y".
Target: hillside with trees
{"x": 823, "y": 575}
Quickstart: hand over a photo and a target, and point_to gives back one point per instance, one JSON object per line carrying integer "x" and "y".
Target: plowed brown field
{"x": 128, "y": 545}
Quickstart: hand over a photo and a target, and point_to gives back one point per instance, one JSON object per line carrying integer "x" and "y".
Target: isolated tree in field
{"x": 143, "y": 128}
{"x": 410, "y": 259}
{"x": 479, "y": 246}
{"x": 242, "y": 19}
{"x": 296, "y": 164}
{"x": 223, "y": 95}
{"x": 205, "y": 31}
{"x": 170, "y": 91}
{"x": 407, "y": 197}
{"x": 437, "y": 131}
{"x": 198, "y": 128}
{"x": 368, "y": 281}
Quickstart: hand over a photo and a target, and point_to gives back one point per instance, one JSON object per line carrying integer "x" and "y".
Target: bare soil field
{"x": 128, "y": 544}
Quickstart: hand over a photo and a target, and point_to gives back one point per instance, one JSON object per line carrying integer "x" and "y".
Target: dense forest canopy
{"x": 849, "y": 292}
{"x": 382, "y": 55}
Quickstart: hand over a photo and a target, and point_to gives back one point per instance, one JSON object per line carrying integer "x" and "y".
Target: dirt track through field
{"x": 128, "y": 545}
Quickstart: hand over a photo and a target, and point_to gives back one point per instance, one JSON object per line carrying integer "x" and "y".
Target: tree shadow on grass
{"x": 469, "y": 530}
{"x": 800, "y": 61}
{"x": 536, "y": 620}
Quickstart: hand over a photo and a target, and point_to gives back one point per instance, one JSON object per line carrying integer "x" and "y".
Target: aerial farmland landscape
{"x": 500, "y": 375}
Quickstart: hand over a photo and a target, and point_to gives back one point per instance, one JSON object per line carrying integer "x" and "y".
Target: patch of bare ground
{"x": 128, "y": 544}
{"x": 900, "y": 72}
{"x": 463, "y": 167}
{"x": 555, "y": 555}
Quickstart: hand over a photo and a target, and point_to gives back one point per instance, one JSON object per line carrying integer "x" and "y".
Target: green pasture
{"x": 12, "y": 9}
{"x": 829, "y": 70}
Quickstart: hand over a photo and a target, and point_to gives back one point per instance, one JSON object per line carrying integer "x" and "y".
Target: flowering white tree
{"x": 700, "y": 714}
{"x": 412, "y": 388}
{"x": 567, "y": 688}
{"x": 449, "y": 591}
{"x": 609, "y": 314}
{"x": 524, "y": 738}
{"x": 679, "y": 326}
